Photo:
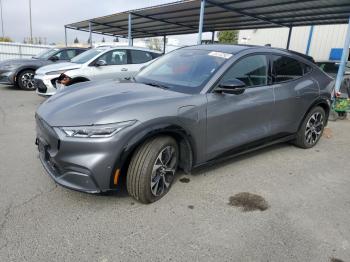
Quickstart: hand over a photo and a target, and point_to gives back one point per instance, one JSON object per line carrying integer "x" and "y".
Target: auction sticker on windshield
{"x": 220, "y": 54}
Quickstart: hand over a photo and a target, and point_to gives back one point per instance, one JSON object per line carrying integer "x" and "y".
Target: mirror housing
{"x": 232, "y": 86}
{"x": 54, "y": 58}
{"x": 100, "y": 62}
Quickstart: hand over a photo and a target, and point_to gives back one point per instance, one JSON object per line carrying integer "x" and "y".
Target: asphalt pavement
{"x": 305, "y": 214}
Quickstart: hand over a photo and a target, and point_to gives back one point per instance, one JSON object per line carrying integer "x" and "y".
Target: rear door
{"x": 293, "y": 92}
{"x": 236, "y": 120}
{"x": 116, "y": 65}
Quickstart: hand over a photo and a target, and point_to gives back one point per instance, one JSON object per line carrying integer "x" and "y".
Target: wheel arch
{"x": 182, "y": 137}
{"x": 322, "y": 102}
{"x": 21, "y": 69}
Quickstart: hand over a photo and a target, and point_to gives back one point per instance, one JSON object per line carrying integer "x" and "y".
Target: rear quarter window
{"x": 155, "y": 55}
{"x": 79, "y": 51}
{"x": 285, "y": 68}
{"x": 140, "y": 57}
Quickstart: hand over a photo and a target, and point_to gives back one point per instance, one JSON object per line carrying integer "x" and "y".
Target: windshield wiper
{"x": 156, "y": 85}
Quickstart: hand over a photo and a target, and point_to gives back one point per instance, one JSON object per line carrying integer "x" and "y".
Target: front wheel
{"x": 152, "y": 169}
{"x": 25, "y": 80}
{"x": 311, "y": 129}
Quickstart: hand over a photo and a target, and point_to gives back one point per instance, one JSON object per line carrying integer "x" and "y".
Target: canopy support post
{"x": 129, "y": 30}
{"x": 309, "y": 40}
{"x": 164, "y": 43}
{"x": 90, "y": 32}
{"x": 289, "y": 35}
{"x": 65, "y": 35}
{"x": 200, "y": 26}
{"x": 344, "y": 59}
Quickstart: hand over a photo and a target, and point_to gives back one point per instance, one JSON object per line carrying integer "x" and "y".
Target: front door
{"x": 236, "y": 120}
{"x": 115, "y": 66}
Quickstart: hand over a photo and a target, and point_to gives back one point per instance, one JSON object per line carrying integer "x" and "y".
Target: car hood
{"x": 107, "y": 102}
{"x": 20, "y": 62}
{"x": 57, "y": 67}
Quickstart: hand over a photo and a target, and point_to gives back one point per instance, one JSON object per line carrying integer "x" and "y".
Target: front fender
{"x": 147, "y": 131}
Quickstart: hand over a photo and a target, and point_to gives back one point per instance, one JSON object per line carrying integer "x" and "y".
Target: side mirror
{"x": 54, "y": 58}
{"x": 232, "y": 86}
{"x": 100, "y": 62}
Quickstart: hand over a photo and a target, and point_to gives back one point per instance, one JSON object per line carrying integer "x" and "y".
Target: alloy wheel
{"x": 314, "y": 128}
{"x": 27, "y": 80}
{"x": 163, "y": 171}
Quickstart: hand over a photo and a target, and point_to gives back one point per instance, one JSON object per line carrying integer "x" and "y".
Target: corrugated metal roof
{"x": 182, "y": 17}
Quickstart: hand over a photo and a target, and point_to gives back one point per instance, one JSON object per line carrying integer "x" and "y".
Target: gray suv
{"x": 188, "y": 108}
{"x": 20, "y": 72}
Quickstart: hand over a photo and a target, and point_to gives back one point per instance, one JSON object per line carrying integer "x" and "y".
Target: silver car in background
{"x": 121, "y": 62}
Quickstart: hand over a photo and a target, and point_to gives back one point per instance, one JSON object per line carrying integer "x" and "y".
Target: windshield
{"x": 183, "y": 70}
{"x": 86, "y": 56}
{"x": 46, "y": 53}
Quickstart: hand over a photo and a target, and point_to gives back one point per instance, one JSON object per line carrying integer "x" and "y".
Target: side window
{"x": 285, "y": 69}
{"x": 79, "y": 51}
{"x": 63, "y": 55}
{"x": 71, "y": 53}
{"x": 140, "y": 57}
{"x": 115, "y": 57}
{"x": 251, "y": 70}
{"x": 306, "y": 69}
{"x": 155, "y": 55}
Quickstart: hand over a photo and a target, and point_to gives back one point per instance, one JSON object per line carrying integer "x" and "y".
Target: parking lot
{"x": 307, "y": 219}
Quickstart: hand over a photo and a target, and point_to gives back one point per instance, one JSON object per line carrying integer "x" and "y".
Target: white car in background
{"x": 121, "y": 62}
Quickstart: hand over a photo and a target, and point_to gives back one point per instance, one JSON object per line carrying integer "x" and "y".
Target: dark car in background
{"x": 20, "y": 72}
{"x": 190, "y": 107}
{"x": 331, "y": 68}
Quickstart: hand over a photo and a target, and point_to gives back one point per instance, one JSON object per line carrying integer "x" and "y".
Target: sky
{"x": 50, "y": 16}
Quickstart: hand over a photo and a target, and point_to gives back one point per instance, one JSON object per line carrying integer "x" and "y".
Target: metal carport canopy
{"x": 183, "y": 17}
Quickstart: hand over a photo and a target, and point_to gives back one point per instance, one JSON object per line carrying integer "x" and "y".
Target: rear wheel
{"x": 25, "y": 80}
{"x": 311, "y": 129}
{"x": 152, "y": 169}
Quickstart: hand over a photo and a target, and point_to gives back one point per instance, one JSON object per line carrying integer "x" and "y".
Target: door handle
{"x": 124, "y": 69}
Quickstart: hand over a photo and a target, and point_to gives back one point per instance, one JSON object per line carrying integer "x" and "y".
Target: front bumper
{"x": 82, "y": 164}
{"x": 44, "y": 84}
{"x": 76, "y": 180}
{"x": 7, "y": 77}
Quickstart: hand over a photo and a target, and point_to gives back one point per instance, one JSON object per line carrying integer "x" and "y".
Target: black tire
{"x": 309, "y": 134}
{"x": 342, "y": 115}
{"x": 141, "y": 172}
{"x": 25, "y": 80}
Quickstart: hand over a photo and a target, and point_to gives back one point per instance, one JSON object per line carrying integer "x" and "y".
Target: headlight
{"x": 8, "y": 67}
{"x": 96, "y": 131}
{"x": 58, "y": 72}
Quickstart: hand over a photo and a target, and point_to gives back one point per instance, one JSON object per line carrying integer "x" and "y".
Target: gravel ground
{"x": 305, "y": 214}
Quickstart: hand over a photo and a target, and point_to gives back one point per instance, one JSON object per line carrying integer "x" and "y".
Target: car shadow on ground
{"x": 182, "y": 177}
{"x": 221, "y": 163}
{"x": 10, "y": 87}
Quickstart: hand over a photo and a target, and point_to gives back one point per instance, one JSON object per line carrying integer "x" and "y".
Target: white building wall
{"x": 325, "y": 37}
